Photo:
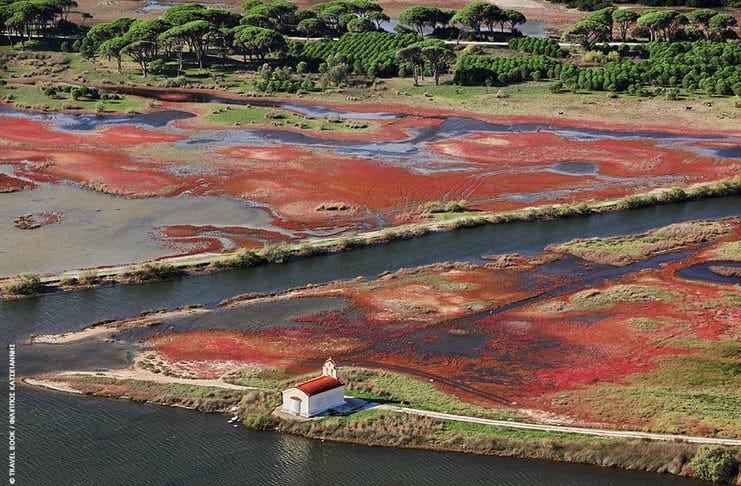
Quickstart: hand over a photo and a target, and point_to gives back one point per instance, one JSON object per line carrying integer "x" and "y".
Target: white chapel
{"x": 317, "y": 395}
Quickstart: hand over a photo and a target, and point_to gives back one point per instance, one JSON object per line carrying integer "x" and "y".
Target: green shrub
{"x": 88, "y": 277}
{"x": 276, "y": 253}
{"x": 25, "y": 284}
{"x": 259, "y": 421}
{"x": 715, "y": 464}
{"x": 152, "y": 271}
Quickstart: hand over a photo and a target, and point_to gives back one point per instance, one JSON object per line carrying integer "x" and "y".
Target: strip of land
{"x": 624, "y": 434}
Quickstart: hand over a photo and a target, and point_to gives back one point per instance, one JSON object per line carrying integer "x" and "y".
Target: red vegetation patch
{"x": 427, "y": 323}
{"x": 15, "y": 129}
{"x": 11, "y": 184}
{"x": 102, "y": 170}
{"x": 494, "y": 172}
{"x": 613, "y": 157}
{"x": 197, "y": 239}
{"x": 284, "y": 347}
{"x": 211, "y": 346}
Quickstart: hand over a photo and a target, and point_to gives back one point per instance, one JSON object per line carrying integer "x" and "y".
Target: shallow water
{"x": 86, "y": 122}
{"x": 574, "y": 168}
{"x": 413, "y": 153}
{"x": 246, "y": 318}
{"x": 116, "y": 442}
{"x": 701, "y": 271}
{"x": 96, "y": 229}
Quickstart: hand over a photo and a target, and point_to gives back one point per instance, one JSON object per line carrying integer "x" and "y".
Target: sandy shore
{"x": 57, "y": 386}
{"x": 144, "y": 375}
{"x": 69, "y": 337}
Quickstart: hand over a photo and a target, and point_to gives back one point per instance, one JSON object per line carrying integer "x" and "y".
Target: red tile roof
{"x": 319, "y": 385}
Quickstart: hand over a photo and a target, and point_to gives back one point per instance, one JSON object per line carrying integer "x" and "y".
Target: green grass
{"x": 728, "y": 251}
{"x": 511, "y": 433}
{"x": 447, "y": 91}
{"x": 226, "y": 115}
{"x": 376, "y": 385}
{"x": 441, "y": 282}
{"x": 378, "y": 427}
{"x": 33, "y": 96}
{"x": 269, "y": 378}
{"x": 625, "y": 249}
{"x": 692, "y": 394}
{"x": 383, "y": 385}
{"x": 593, "y": 299}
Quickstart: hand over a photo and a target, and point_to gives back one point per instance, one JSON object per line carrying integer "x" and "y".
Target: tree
{"x": 66, "y": 6}
{"x": 331, "y": 12}
{"x": 142, "y": 52}
{"x": 184, "y": 13}
{"x": 412, "y": 56}
{"x": 661, "y": 24}
{"x": 494, "y": 15}
{"x": 141, "y": 42}
{"x": 280, "y": 13}
{"x": 440, "y": 57}
{"x": 624, "y": 18}
{"x": 604, "y": 16}
{"x": 378, "y": 18}
{"x": 701, "y": 18}
{"x": 258, "y": 20}
{"x": 419, "y": 17}
{"x": 715, "y": 464}
{"x": 360, "y": 24}
{"x": 195, "y": 34}
{"x": 364, "y": 8}
{"x": 114, "y": 48}
{"x": 514, "y": 18}
{"x": 721, "y": 24}
{"x": 103, "y": 32}
{"x": 311, "y": 27}
{"x": 586, "y": 33}
{"x": 258, "y": 42}
{"x": 415, "y": 18}
{"x": 472, "y": 16}
{"x": 335, "y": 70}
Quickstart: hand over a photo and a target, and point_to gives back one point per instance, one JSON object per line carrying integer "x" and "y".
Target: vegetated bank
{"x": 393, "y": 429}
{"x": 168, "y": 268}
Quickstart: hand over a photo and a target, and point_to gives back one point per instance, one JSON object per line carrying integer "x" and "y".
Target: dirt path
{"x": 621, "y": 434}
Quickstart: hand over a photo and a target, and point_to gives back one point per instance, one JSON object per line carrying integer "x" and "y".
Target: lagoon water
{"x": 73, "y": 440}
{"x": 68, "y": 439}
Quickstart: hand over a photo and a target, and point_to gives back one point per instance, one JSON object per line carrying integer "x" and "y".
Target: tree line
{"x": 591, "y": 5}
{"x": 25, "y": 19}
{"x": 612, "y": 23}
{"x": 193, "y": 31}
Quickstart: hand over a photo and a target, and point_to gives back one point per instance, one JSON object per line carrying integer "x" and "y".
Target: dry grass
{"x": 624, "y": 250}
{"x": 592, "y": 299}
